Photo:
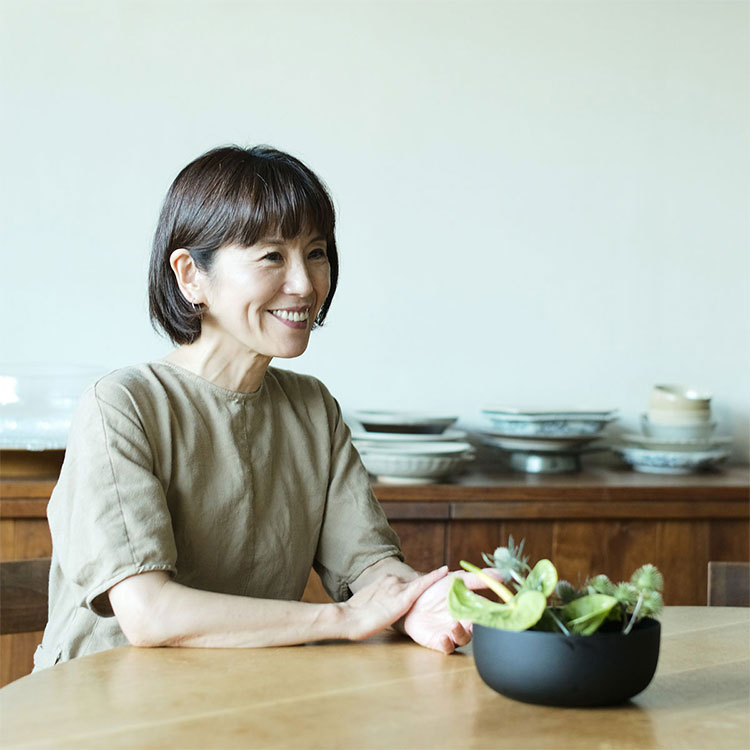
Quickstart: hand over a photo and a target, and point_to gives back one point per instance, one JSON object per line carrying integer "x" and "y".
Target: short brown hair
{"x": 233, "y": 195}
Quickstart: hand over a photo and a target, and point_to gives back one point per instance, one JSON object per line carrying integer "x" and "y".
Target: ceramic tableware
{"x": 654, "y": 461}
{"x": 404, "y": 422}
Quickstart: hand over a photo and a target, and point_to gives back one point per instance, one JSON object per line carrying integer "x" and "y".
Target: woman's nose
{"x": 298, "y": 280}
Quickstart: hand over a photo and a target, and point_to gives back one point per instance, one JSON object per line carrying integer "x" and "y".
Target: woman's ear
{"x": 187, "y": 274}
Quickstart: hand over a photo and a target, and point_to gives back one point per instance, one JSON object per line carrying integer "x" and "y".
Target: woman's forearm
{"x": 153, "y": 610}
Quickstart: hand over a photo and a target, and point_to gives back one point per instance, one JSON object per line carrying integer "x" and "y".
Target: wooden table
{"x": 383, "y": 693}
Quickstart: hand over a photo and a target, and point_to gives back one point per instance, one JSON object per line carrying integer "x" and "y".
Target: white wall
{"x": 540, "y": 202}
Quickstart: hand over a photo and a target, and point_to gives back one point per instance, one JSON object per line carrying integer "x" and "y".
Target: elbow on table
{"x": 137, "y": 603}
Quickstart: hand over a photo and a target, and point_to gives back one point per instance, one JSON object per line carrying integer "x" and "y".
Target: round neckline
{"x": 226, "y": 392}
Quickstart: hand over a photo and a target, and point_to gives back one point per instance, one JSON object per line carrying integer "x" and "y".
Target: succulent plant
{"x": 570, "y": 611}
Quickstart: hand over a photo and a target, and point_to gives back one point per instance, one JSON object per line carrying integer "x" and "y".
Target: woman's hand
{"x": 430, "y": 624}
{"x": 382, "y": 602}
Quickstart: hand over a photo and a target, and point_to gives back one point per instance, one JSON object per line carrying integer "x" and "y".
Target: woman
{"x": 198, "y": 490}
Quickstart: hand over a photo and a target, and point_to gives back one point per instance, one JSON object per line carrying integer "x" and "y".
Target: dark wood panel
{"x": 656, "y": 509}
{"x": 729, "y": 541}
{"x": 423, "y": 543}
{"x": 466, "y": 540}
{"x": 418, "y": 510}
{"x": 21, "y": 539}
{"x": 17, "y": 655}
{"x": 45, "y": 464}
{"x": 23, "y": 507}
{"x": 24, "y": 538}
{"x": 581, "y": 549}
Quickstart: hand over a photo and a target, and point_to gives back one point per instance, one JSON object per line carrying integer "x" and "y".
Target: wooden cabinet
{"x": 604, "y": 520}
{"x": 607, "y": 520}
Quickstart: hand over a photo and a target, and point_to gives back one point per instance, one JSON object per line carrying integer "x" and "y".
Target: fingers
{"x": 460, "y": 635}
{"x": 411, "y": 591}
{"x": 422, "y": 583}
{"x": 448, "y": 642}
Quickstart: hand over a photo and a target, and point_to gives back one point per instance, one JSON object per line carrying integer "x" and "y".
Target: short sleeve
{"x": 355, "y": 532}
{"x": 108, "y": 514}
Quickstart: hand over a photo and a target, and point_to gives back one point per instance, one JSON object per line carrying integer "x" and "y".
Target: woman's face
{"x": 265, "y": 298}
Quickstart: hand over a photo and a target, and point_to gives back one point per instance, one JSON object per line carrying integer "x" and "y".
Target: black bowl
{"x": 553, "y": 669}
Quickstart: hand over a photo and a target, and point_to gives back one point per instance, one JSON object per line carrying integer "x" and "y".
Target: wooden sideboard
{"x": 606, "y": 519}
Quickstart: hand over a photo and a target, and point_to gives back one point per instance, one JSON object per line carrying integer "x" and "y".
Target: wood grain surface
{"x": 383, "y": 693}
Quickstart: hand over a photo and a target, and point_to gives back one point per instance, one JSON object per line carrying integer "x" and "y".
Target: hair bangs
{"x": 277, "y": 200}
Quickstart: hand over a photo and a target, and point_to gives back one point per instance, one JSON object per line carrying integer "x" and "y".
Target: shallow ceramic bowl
{"x": 679, "y": 418}
{"x": 405, "y": 423}
{"x": 677, "y": 431}
{"x": 653, "y": 461}
{"x": 406, "y": 469}
{"x": 553, "y": 669}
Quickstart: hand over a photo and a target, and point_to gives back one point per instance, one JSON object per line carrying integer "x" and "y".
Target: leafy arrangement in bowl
{"x": 570, "y": 611}
{"x": 551, "y": 643}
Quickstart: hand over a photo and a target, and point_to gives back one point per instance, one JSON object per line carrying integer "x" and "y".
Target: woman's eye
{"x": 274, "y": 257}
{"x": 319, "y": 253}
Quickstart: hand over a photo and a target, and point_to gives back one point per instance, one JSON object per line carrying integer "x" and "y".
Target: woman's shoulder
{"x": 126, "y": 381}
{"x": 296, "y": 384}
{"x": 131, "y": 392}
{"x": 298, "y": 389}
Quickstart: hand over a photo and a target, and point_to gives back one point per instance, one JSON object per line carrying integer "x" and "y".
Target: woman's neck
{"x": 241, "y": 371}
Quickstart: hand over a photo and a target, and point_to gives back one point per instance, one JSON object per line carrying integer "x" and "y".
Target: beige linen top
{"x": 239, "y": 493}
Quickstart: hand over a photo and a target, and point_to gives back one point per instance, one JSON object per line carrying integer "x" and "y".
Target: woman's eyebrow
{"x": 276, "y": 241}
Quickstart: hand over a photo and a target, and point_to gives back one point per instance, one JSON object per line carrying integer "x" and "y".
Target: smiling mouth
{"x": 295, "y": 316}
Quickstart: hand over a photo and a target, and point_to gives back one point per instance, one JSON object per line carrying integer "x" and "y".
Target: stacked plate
{"x": 546, "y": 441}
{"x": 411, "y": 447}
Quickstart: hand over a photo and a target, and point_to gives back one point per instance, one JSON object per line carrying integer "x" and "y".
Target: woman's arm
{"x": 153, "y": 610}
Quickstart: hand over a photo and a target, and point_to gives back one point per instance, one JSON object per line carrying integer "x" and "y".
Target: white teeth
{"x": 294, "y": 316}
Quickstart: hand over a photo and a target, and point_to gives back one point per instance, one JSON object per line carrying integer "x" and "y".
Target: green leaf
{"x": 584, "y": 616}
{"x": 522, "y": 612}
{"x": 543, "y": 577}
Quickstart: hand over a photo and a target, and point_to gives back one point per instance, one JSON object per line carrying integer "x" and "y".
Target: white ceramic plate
{"x": 531, "y": 415}
{"x": 435, "y": 448}
{"x": 395, "y": 437}
{"x": 670, "y": 462}
{"x": 402, "y": 422}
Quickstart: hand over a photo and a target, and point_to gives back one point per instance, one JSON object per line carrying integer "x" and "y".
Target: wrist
{"x": 338, "y": 621}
